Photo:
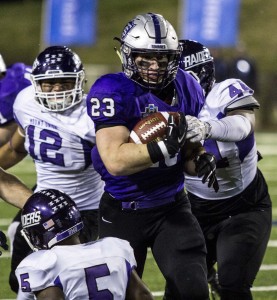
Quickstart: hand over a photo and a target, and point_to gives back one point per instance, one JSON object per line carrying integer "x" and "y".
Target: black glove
{"x": 205, "y": 165}
{"x": 171, "y": 144}
{"x": 3, "y": 241}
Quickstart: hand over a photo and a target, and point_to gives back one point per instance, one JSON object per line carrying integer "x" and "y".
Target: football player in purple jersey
{"x": 236, "y": 221}
{"x": 144, "y": 200}
{"x": 13, "y": 79}
{"x": 61, "y": 267}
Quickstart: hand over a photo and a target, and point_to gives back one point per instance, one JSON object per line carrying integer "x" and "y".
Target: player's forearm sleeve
{"x": 230, "y": 129}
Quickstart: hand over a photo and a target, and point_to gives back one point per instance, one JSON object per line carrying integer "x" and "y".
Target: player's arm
{"x": 200, "y": 163}
{"x": 123, "y": 158}
{"x": 50, "y": 293}
{"x": 137, "y": 289}
{"x": 12, "y": 190}
{"x": 13, "y": 151}
{"x": 6, "y": 132}
{"x": 236, "y": 126}
{"x": 119, "y": 156}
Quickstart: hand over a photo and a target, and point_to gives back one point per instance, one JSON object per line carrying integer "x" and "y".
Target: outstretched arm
{"x": 236, "y": 126}
{"x": 12, "y": 190}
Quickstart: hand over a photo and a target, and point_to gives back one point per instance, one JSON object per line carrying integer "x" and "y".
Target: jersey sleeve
{"x": 36, "y": 272}
{"x": 106, "y": 101}
{"x": 121, "y": 248}
{"x": 233, "y": 94}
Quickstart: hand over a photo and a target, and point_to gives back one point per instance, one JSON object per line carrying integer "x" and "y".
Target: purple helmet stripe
{"x": 157, "y": 28}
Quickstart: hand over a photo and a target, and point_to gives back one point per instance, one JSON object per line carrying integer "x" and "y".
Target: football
{"x": 151, "y": 128}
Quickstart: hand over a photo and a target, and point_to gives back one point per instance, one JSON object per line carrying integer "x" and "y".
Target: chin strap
{"x": 118, "y": 54}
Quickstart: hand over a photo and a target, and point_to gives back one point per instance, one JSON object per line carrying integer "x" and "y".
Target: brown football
{"x": 151, "y": 128}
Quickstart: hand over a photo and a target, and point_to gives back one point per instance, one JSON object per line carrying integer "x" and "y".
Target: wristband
{"x": 157, "y": 151}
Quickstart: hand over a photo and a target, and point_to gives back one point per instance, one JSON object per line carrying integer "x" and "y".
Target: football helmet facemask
{"x": 196, "y": 59}
{"x": 147, "y": 39}
{"x": 58, "y": 62}
{"x": 48, "y": 217}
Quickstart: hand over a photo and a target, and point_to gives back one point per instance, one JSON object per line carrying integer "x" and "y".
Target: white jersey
{"x": 236, "y": 161}
{"x": 95, "y": 270}
{"x": 60, "y": 144}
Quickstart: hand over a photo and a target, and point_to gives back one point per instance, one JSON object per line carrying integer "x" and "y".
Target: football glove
{"x": 3, "y": 241}
{"x": 197, "y": 130}
{"x": 171, "y": 144}
{"x": 205, "y": 166}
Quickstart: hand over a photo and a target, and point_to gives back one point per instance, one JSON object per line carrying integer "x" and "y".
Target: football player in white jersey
{"x": 61, "y": 267}
{"x": 56, "y": 132}
{"x": 236, "y": 220}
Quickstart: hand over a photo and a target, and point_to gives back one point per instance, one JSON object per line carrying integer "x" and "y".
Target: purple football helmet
{"x": 196, "y": 59}
{"x": 48, "y": 217}
{"x": 58, "y": 62}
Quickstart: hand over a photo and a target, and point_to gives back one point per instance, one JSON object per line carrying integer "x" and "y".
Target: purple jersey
{"x": 116, "y": 100}
{"x": 16, "y": 79}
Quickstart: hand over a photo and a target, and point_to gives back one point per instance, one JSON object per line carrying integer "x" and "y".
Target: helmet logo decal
{"x": 127, "y": 28}
{"x": 57, "y": 202}
{"x": 53, "y": 58}
{"x": 197, "y": 58}
{"x": 35, "y": 64}
{"x": 31, "y": 219}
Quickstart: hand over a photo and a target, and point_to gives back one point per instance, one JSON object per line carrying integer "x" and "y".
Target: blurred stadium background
{"x": 22, "y": 30}
{"x": 21, "y": 40}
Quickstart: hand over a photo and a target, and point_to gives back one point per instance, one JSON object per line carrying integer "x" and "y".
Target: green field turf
{"x": 265, "y": 286}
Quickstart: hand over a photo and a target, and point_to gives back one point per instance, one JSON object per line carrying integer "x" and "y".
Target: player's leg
{"x": 12, "y": 229}
{"x": 20, "y": 250}
{"x": 90, "y": 230}
{"x": 180, "y": 252}
{"x": 241, "y": 247}
{"x": 211, "y": 232}
{"x": 125, "y": 224}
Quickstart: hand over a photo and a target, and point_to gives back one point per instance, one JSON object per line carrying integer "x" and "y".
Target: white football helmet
{"x": 150, "y": 35}
{"x": 58, "y": 62}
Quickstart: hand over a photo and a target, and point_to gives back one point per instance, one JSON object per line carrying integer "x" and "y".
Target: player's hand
{"x": 3, "y": 241}
{"x": 205, "y": 165}
{"x": 197, "y": 130}
{"x": 176, "y": 134}
{"x": 173, "y": 141}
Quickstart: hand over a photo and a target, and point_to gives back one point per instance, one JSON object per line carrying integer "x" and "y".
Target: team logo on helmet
{"x": 127, "y": 28}
{"x": 31, "y": 219}
{"x": 196, "y": 59}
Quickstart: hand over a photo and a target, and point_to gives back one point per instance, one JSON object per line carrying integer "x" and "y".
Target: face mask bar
{"x": 59, "y": 101}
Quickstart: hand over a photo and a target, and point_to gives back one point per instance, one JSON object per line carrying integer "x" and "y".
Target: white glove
{"x": 197, "y": 130}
